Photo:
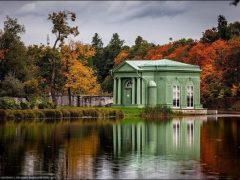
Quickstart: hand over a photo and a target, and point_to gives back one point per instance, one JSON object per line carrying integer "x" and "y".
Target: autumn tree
{"x": 79, "y": 78}
{"x": 158, "y": 52}
{"x": 229, "y": 65}
{"x": 62, "y": 30}
{"x": 123, "y": 55}
{"x": 209, "y": 36}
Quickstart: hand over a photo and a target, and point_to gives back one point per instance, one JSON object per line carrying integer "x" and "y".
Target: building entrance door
{"x": 127, "y": 93}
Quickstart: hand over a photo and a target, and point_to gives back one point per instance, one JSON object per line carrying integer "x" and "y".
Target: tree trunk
{"x": 52, "y": 86}
{"x": 53, "y": 94}
{"x": 69, "y": 97}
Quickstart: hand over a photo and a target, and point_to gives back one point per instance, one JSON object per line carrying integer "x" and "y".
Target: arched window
{"x": 190, "y": 96}
{"x": 176, "y": 96}
{"x": 128, "y": 84}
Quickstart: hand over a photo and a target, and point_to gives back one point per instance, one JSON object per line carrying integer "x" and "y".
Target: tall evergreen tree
{"x": 110, "y": 52}
{"x": 15, "y": 58}
{"x": 140, "y": 49}
{"x": 223, "y": 28}
{"x": 97, "y": 60}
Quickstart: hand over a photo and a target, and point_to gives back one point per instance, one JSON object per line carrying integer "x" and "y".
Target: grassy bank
{"x": 130, "y": 111}
{"x": 60, "y": 113}
{"x": 158, "y": 112}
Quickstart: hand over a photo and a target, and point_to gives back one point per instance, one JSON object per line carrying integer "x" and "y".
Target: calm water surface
{"x": 193, "y": 147}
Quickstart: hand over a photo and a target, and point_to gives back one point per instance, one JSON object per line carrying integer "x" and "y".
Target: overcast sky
{"x": 155, "y": 21}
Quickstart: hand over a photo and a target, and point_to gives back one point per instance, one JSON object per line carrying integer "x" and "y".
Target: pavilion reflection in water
{"x": 173, "y": 137}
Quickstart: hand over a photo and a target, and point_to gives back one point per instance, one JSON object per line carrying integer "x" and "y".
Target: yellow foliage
{"x": 79, "y": 77}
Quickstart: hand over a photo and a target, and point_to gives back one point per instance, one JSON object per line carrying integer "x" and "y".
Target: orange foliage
{"x": 179, "y": 53}
{"x": 158, "y": 52}
{"x": 196, "y": 54}
{"x": 219, "y": 62}
{"x": 2, "y": 53}
{"x": 121, "y": 57}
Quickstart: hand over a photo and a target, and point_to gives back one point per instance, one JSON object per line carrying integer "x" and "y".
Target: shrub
{"x": 8, "y": 103}
{"x": 156, "y": 112}
{"x": 76, "y": 113}
{"x": 46, "y": 105}
{"x": 11, "y": 86}
{"x": 24, "y": 105}
{"x": 52, "y": 113}
{"x": 58, "y": 113}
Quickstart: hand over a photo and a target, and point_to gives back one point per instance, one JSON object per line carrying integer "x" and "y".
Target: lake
{"x": 192, "y": 147}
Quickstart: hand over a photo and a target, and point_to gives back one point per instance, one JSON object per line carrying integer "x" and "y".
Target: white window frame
{"x": 190, "y": 94}
{"x": 176, "y": 96}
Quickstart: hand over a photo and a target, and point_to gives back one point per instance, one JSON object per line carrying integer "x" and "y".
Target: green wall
{"x": 164, "y": 81}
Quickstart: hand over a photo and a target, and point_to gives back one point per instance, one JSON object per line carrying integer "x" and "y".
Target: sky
{"x": 155, "y": 21}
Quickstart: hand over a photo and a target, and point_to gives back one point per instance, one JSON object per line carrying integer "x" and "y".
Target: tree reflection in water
{"x": 191, "y": 147}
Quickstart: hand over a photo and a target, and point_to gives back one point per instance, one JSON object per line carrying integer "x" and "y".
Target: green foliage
{"x": 11, "y": 26}
{"x": 24, "y": 105}
{"x": 45, "y": 64}
{"x": 60, "y": 25}
{"x": 11, "y": 86}
{"x": 97, "y": 60}
{"x": 222, "y": 27}
{"x": 8, "y": 103}
{"x": 140, "y": 49}
{"x": 160, "y": 111}
{"x": 46, "y": 105}
{"x": 60, "y": 113}
{"x": 15, "y": 59}
{"x": 31, "y": 87}
{"x": 52, "y": 113}
{"x": 107, "y": 85}
{"x": 223, "y": 31}
{"x": 110, "y": 53}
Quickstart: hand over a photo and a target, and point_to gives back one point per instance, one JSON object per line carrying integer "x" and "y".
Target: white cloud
{"x": 156, "y": 21}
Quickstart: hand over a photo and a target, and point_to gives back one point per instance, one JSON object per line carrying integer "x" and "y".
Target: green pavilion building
{"x": 141, "y": 83}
